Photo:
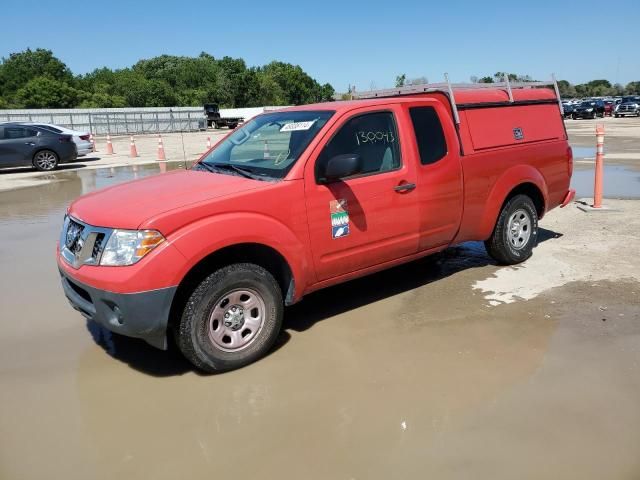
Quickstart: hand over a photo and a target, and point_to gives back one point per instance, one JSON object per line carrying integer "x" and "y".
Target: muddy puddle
{"x": 619, "y": 182}
{"x": 404, "y": 374}
{"x": 583, "y": 152}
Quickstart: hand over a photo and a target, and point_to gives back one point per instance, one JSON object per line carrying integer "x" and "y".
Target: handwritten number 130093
{"x": 375, "y": 137}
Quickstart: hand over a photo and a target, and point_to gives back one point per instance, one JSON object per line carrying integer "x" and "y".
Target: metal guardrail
{"x": 125, "y": 122}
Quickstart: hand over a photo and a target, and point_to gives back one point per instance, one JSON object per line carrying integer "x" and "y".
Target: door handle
{"x": 405, "y": 187}
{"x": 29, "y": 143}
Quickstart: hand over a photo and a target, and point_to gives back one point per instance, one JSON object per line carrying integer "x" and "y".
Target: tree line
{"x": 37, "y": 79}
{"x": 594, "y": 88}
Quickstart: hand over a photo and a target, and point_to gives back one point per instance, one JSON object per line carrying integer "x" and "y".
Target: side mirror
{"x": 341, "y": 166}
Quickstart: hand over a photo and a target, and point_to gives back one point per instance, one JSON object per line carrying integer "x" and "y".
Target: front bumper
{"x": 142, "y": 315}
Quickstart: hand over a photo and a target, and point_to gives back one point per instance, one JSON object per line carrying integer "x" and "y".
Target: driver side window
{"x": 372, "y": 136}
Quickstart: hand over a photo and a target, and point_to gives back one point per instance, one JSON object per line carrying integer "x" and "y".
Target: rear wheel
{"x": 232, "y": 318}
{"x": 45, "y": 160}
{"x": 515, "y": 233}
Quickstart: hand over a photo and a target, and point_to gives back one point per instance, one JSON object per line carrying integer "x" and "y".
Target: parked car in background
{"x": 215, "y": 120}
{"x": 24, "y": 145}
{"x": 81, "y": 139}
{"x": 589, "y": 109}
{"x": 609, "y": 107}
{"x": 568, "y": 109}
{"x": 629, "y": 106}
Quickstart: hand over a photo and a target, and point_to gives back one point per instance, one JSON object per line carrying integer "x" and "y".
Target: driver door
{"x": 369, "y": 218}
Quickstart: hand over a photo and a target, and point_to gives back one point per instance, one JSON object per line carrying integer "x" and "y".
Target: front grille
{"x": 73, "y": 236}
{"x": 82, "y": 244}
{"x": 97, "y": 247}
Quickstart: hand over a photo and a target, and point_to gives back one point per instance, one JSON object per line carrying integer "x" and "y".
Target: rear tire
{"x": 515, "y": 233}
{"x": 232, "y": 318}
{"x": 45, "y": 160}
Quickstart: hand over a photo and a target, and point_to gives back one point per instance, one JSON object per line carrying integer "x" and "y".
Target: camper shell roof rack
{"x": 449, "y": 89}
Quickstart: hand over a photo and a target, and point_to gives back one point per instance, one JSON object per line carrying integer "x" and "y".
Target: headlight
{"x": 589, "y": 109}
{"x": 126, "y": 247}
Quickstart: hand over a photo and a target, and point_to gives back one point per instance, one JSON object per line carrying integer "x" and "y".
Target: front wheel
{"x": 45, "y": 160}
{"x": 515, "y": 233}
{"x": 232, "y": 318}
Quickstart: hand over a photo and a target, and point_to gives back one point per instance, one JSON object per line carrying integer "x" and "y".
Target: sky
{"x": 361, "y": 43}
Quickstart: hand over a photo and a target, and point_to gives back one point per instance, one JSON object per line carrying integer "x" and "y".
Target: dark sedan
{"x": 27, "y": 145}
{"x": 589, "y": 109}
{"x": 568, "y": 109}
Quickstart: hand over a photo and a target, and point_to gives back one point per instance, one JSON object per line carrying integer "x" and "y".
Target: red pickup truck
{"x": 307, "y": 197}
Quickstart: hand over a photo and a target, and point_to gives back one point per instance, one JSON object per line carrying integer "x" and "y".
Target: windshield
{"x": 630, "y": 99}
{"x": 268, "y": 145}
{"x": 587, "y": 104}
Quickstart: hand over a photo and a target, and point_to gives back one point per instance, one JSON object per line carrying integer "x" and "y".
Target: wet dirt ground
{"x": 449, "y": 367}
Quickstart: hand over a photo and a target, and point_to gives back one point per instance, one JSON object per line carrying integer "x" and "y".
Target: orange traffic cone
{"x": 208, "y": 143}
{"x": 109, "y": 145}
{"x": 161, "y": 156}
{"x": 266, "y": 153}
{"x": 133, "y": 151}
{"x": 93, "y": 142}
{"x": 163, "y": 167}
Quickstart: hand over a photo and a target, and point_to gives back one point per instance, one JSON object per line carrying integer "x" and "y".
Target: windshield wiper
{"x": 206, "y": 166}
{"x": 242, "y": 171}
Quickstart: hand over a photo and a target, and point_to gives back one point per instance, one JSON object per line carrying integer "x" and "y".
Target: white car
{"x": 81, "y": 139}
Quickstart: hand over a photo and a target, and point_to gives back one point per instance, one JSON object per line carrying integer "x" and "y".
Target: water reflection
{"x": 619, "y": 182}
{"x": 50, "y": 198}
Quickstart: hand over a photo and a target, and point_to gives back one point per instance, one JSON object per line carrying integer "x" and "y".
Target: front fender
{"x": 503, "y": 186}
{"x": 204, "y": 237}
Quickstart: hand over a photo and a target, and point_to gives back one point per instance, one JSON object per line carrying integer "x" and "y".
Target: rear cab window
{"x": 430, "y": 138}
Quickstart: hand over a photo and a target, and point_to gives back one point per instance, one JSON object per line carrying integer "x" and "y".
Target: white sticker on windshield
{"x": 295, "y": 126}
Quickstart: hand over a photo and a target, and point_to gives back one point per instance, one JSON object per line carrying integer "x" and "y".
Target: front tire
{"x": 515, "y": 233}
{"x": 232, "y": 318}
{"x": 45, "y": 160}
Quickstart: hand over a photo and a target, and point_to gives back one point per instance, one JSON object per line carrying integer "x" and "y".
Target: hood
{"x": 129, "y": 204}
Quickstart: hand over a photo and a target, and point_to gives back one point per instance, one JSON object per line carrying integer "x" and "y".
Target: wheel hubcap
{"x": 46, "y": 160}
{"x": 519, "y": 229}
{"x": 236, "y": 320}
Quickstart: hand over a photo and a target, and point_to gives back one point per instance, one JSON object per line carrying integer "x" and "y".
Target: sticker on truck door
{"x": 339, "y": 218}
{"x": 518, "y": 134}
